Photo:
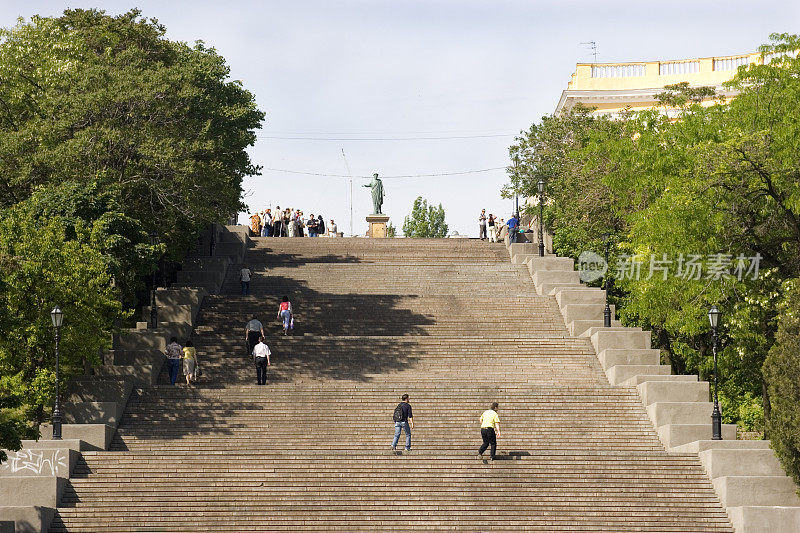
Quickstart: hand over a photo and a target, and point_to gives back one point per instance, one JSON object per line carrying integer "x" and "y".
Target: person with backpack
{"x": 253, "y": 331}
{"x": 403, "y": 421}
{"x": 490, "y": 430}
{"x": 261, "y": 355}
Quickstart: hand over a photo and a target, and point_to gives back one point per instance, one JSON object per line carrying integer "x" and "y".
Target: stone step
{"x": 451, "y": 322}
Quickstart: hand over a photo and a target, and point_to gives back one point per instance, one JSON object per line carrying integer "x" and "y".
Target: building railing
{"x": 648, "y": 74}
{"x": 628, "y": 70}
{"x": 671, "y": 68}
{"x": 731, "y": 63}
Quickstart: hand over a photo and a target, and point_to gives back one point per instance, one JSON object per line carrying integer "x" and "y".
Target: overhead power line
{"x": 436, "y": 138}
{"x": 438, "y": 174}
{"x": 389, "y": 133}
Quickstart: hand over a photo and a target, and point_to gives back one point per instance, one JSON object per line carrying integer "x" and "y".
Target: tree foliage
{"x": 722, "y": 179}
{"x": 109, "y": 131}
{"x": 110, "y": 102}
{"x": 425, "y": 221}
{"x": 41, "y": 268}
{"x": 782, "y": 371}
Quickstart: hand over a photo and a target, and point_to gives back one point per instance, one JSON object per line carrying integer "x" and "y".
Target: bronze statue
{"x": 377, "y": 194}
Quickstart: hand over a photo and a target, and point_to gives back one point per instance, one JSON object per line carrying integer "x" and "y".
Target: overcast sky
{"x": 358, "y": 72}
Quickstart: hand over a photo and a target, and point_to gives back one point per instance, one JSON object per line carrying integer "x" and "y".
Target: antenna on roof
{"x": 351, "y": 191}
{"x": 593, "y": 46}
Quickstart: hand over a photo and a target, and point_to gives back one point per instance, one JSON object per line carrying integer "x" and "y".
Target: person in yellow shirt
{"x": 190, "y": 362}
{"x": 490, "y": 430}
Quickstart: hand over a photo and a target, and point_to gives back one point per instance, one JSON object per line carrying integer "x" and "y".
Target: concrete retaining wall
{"x": 32, "y": 481}
{"x": 756, "y": 493}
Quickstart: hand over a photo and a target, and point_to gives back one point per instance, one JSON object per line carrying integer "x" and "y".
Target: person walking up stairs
{"x": 383, "y": 318}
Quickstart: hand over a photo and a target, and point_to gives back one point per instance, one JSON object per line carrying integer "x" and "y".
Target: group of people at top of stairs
{"x": 290, "y": 223}
{"x": 403, "y": 418}
{"x": 182, "y": 357}
{"x": 496, "y": 230}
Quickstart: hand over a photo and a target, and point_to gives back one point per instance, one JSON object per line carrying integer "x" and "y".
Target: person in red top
{"x": 285, "y": 313}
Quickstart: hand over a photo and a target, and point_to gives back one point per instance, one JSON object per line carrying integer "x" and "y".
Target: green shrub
{"x": 782, "y": 374}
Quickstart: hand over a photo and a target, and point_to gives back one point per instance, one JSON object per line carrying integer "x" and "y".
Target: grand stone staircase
{"x": 450, "y": 322}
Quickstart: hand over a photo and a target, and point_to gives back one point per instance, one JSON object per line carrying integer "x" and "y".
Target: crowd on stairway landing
{"x": 495, "y": 229}
{"x": 491, "y": 227}
{"x": 290, "y": 223}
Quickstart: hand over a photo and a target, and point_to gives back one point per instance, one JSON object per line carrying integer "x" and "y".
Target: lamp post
{"x": 540, "y": 187}
{"x": 607, "y": 310}
{"x": 57, "y": 317}
{"x": 153, "y": 308}
{"x": 212, "y": 241}
{"x": 716, "y": 418}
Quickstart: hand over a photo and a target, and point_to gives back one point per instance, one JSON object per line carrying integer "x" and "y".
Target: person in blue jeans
{"x": 513, "y": 228}
{"x": 403, "y": 421}
{"x": 174, "y": 353}
{"x": 311, "y": 226}
{"x": 244, "y": 277}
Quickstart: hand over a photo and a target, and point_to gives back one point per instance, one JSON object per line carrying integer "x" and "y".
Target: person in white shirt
{"x": 266, "y": 221}
{"x": 293, "y": 223}
{"x": 332, "y": 229}
{"x": 261, "y": 355}
{"x": 244, "y": 277}
{"x": 492, "y": 222}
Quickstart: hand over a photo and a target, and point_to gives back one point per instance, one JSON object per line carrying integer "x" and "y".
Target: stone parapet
{"x": 93, "y": 405}
{"x": 758, "y": 496}
{"x": 25, "y": 519}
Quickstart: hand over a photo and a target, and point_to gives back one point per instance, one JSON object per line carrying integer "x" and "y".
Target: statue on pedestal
{"x": 377, "y": 194}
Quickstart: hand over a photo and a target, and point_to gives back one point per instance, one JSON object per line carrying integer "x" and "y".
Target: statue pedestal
{"x": 377, "y": 226}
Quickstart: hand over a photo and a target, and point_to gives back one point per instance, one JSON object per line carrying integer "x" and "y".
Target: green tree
{"x": 97, "y": 217}
{"x": 391, "y": 231}
{"x": 110, "y": 102}
{"x": 109, "y": 131}
{"x": 782, "y": 371}
{"x": 720, "y": 180}
{"x": 42, "y": 268}
{"x": 425, "y": 221}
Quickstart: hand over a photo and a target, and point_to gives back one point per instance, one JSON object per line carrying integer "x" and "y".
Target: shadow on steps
{"x": 168, "y": 420}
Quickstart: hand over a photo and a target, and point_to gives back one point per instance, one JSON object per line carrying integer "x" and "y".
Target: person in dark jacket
{"x": 403, "y": 420}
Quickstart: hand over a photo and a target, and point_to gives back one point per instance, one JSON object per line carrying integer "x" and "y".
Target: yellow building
{"x": 613, "y": 87}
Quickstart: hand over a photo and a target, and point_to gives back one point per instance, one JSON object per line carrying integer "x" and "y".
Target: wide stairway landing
{"x": 450, "y": 322}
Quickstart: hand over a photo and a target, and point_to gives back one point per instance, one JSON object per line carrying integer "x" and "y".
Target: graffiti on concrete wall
{"x": 38, "y": 462}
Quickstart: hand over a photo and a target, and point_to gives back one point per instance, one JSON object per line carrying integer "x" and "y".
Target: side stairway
{"x": 451, "y": 323}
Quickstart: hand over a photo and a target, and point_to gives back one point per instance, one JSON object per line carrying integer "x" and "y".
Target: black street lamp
{"x": 607, "y": 310}
{"x": 213, "y": 241}
{"x": 58, "y": 319}
{"x": 153, "y": 307}
{"x": 540, "y": 187}
{"x": 716, "y": 418}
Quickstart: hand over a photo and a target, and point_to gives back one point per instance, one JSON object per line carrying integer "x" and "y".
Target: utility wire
{"x": 383, "y": 138}
{"x": 323, "y": 174}
{"x": 387, "y": 133}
